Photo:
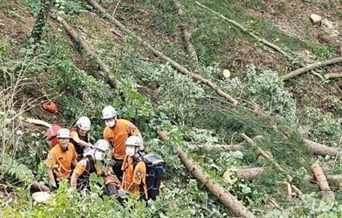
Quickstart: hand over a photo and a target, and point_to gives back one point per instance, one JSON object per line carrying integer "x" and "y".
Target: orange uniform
{"x": 134, "y": 178}
{"x": 117, "y": 136}
{"x": 63, "y": 159}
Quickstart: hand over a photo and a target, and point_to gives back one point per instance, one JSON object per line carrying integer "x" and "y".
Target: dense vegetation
{"x": 154, "y": 96}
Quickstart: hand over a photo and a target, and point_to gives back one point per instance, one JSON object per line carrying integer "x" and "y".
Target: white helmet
{"x": 83, "y": 123}
{"x": 102, "y": 145}
{"x": 88, "y": 151}
{"x": 134, "y": 141}
{"x": 108, "y": 112}
{"x": 63, "y": 133}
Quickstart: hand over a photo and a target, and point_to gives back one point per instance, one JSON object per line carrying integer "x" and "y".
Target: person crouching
{"x": 93, "y": 161}
{"x": 61, "y": 158}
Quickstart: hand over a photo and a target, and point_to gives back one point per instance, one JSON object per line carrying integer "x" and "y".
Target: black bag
{"x": 155, "y": 169}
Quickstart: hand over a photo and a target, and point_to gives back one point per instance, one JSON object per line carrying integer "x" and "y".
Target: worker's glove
{"x": 122, "y": 193}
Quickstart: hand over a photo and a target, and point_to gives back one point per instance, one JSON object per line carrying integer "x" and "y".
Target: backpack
{"x": 155, "y": 169}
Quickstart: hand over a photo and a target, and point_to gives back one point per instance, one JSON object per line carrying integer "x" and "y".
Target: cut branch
{"x": 106, "y": 71}
{"x": 332, "y": 75}
{"x": 208, "y": 147}
{"x": 320, "y": 177}
{"x": 224, "y": 196}
{"x": 320, "y": 149}
{"x": 173, "y": 63}
{"x": 311, "y": 67}
{"x": 185, "y": 33}
{"x": 266, "y": 155}
{"x": 250, "y": 173}
{"x": 245, "y": 30}
{"x": 30, "y": 120}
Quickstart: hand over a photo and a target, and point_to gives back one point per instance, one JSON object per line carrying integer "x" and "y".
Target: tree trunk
{"x": 320, "y": 177}
{"x": 43, "y": 15}
{"x": 245, "y": 30}
{"x": 173, "y": 63}
{"x": 250, "y": 173}
{"x": 332, "y": 75}
{"x": 310, "y": 67}
{"x": 224, "y": 196}
{"x": 185, "y": 33}
{"x": 320, "y": 149}
{"x": 106, "y": 71}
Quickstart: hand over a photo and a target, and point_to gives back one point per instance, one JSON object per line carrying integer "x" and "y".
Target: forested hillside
{"x": 242, "y": 99}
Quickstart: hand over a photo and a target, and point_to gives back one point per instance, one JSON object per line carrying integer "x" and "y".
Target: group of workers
{"x": 116, "y": 157}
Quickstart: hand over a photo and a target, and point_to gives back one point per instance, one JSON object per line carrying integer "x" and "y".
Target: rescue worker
{"x": 116, "y": 133}
{"x": 80, "y": 136}
{"x": 61, "y": 158}
{"x": 134, "y": 177}
{"x": 94, "y": 161}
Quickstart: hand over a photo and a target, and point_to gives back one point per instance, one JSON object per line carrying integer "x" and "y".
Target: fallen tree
{"x": 320, "y": 149}
{"x": 185, "y": 33}
{"x": 333, "y": 75}
{"x": 173, "y": 63}
{"x": 106, "y": 71}
{"x": 224, "y": 196}
{"x": 311, "y": 67}
{"x": 246, "y": 31}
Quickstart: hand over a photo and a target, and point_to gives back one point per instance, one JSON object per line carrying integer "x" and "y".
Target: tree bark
{"x": 208, "y": 147}
{"x": 185, "y": 33}
{"x": 310, "y": 67}
{"x": 250, "y": 173}
{"x": 224, "y": 196}
{"x": 106, "y": 71}
{"x": 320, "y": 177}
{"x": 332, "y": 75}
{"x": 245, "y": 30}
{"x": 320, "y": 149}
{"x": 173, "y": 63}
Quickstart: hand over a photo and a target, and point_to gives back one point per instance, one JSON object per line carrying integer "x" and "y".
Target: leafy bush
{"x": 322, "y": 127}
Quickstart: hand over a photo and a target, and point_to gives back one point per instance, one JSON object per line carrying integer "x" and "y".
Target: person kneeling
{"x": 134, "y": 177}
{"x": 60, "y": 158}
{"x": 93, "y": 161}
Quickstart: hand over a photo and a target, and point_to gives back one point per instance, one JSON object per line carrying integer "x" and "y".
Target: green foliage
{"x": 16, "y": 170}
{"x": 267, "y": 89}
{"x": 323, "y": 52}
{"x": 322, "y": 127}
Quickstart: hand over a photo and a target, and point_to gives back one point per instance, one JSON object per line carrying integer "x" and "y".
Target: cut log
{"x": 173, "y": 63}
{"x": 273, "y": 162}
{"x": 332, "y": 75}
{"x": 163, "y": 135}
{"x": 208, "y": 147}
{"x": 221, "y": 193}
{"x": 250, "y": 173}
{"x": 246, "y": 31}
{"x": 185, "y": 33}
{"x": 320, "y": 177}
{"x": 320, "y": 149}
{"x": 311, "y": 67}
{"x": 30, "y": 120}
{"x": 106, "y": 71}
